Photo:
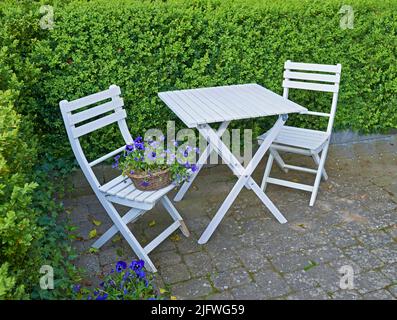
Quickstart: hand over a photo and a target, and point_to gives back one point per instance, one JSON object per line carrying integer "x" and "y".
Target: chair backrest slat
{"x": 116, "y": 103}
{"x": 315, "y": 77}
{"x": 320, "y": 77}
{"x": 97, "y": 109}
{"x": 113, "y": 91}
{"x": 98, "y": 124}
{"x": 310, "y": 86}
{"x": 330, "y": 68}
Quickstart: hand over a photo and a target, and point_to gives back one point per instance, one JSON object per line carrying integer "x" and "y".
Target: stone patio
{"x": 251, "y": 255}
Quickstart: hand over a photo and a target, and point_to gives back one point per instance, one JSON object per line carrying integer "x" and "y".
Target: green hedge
{"x": 30, "y": 235}
{"x": 146, "y": 47}
{"x": 150, "y": 46}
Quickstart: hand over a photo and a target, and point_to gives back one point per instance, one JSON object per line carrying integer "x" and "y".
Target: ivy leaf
{"x": 96, "y": 222}
{"x": 173, "y": 298}
{"x": 93, "y": 250}
{"x": 92, "y": 234}
{"x": 175, "y": 238}
{"x": 152, "y": 223}
{"x": 162, "y": 291}
{"x": 116, "y": 239}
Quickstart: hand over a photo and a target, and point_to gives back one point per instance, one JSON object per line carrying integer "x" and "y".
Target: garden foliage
{"x": 151, "y": 46}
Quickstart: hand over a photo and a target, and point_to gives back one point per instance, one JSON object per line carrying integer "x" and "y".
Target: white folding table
{"x": 197, "y": 108}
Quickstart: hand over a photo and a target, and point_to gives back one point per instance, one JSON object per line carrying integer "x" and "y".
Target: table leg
{"x": 243, "y": 173}
{"x": 202, "y": 160}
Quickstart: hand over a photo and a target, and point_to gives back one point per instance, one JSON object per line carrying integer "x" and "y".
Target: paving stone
{"x": 310, "y": 294}
{"x": 378, "y": 295}
{"x": 225, "y": 260}
{"x": 253, "y": 259}
{"x": 300, "y": 280}
{"x": 324, "y": 254}
{"x": 341, "y": 237}
{"x": 365, "y": 259}
{"x": 89, "y": 263}
{"x": 175, "y": 273}
{"x": 108, "y": 256}
{"x": 370, "y": 281}
{"x": 199, "y": 263}
{"x": 188, "y": 245}
{"x": 229, "y": 279}
{"x": 166, "y": 258}
{"x": 390, "y": 271}
{"x": 387, "y": 254}
{"x": 346, "y": 295}
{"x": 223, "y": 295}
{"x": 375, "y": 239}
{"x": 290, "y": 262}
{"x": 325, "y": 276}
{"x": 352, "y": 223}
{"x": 393, "y": 290}
{"x": 271, "y": 283}
{"x": 191, "y": 289}
{"x": 249, "y": 291}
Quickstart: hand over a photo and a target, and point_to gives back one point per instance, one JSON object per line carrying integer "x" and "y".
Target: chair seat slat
{"x": 112, "y": 183}
{"x": 121, "y": 186}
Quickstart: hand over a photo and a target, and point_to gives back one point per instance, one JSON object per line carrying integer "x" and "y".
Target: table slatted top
{"x": 226, "y": 103}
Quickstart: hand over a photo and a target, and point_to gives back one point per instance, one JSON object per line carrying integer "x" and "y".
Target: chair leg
{"x": 280, "y": 162}
{"x": 175, "y": 215}
{"x": 126, "y": 232}
{"x": 316, "y": 159}
{"x": 267, "y": 171}
{"x": 319, "y": 174}
{"x": 129, "y": 217}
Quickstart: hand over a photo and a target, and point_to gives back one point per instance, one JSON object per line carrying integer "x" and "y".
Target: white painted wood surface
{"x": 201, "y": 107}
{"x": 120, "y": 190}
{"x": 226, "y": 103}
{"x": 317, "y": 77}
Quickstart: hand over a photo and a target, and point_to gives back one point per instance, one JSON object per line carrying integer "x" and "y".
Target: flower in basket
{"x": 152, "y": 167}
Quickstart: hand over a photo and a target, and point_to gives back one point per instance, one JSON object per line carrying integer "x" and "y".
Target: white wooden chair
{"x": 313, "y": 143}
{"x": 121, "y": 189}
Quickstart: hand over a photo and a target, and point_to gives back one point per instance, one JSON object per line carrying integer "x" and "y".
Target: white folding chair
{"x": 313, "y": 143}
{"x": 120, "y": 190}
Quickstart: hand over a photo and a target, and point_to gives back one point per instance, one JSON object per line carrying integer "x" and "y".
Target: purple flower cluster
{"x": 118, "y": 281}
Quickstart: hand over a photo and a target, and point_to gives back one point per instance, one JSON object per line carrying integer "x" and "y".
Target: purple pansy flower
{"x": 120, "y": 266}
{"x": 104, "y": 296}
{"x": 137, "y": 265}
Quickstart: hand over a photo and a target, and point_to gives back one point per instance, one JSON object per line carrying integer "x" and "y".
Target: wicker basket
{"x": 154, "y": 181}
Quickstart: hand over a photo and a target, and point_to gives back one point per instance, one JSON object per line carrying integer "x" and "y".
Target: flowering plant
{"x": 122, "y": 283}
{"x": 141, "y": 157}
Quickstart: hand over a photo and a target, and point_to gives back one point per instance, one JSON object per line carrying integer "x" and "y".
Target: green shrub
{"x": 29, "y": 233}
{"x": 147, "y": 47}
{"x": 151, "y": 46}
